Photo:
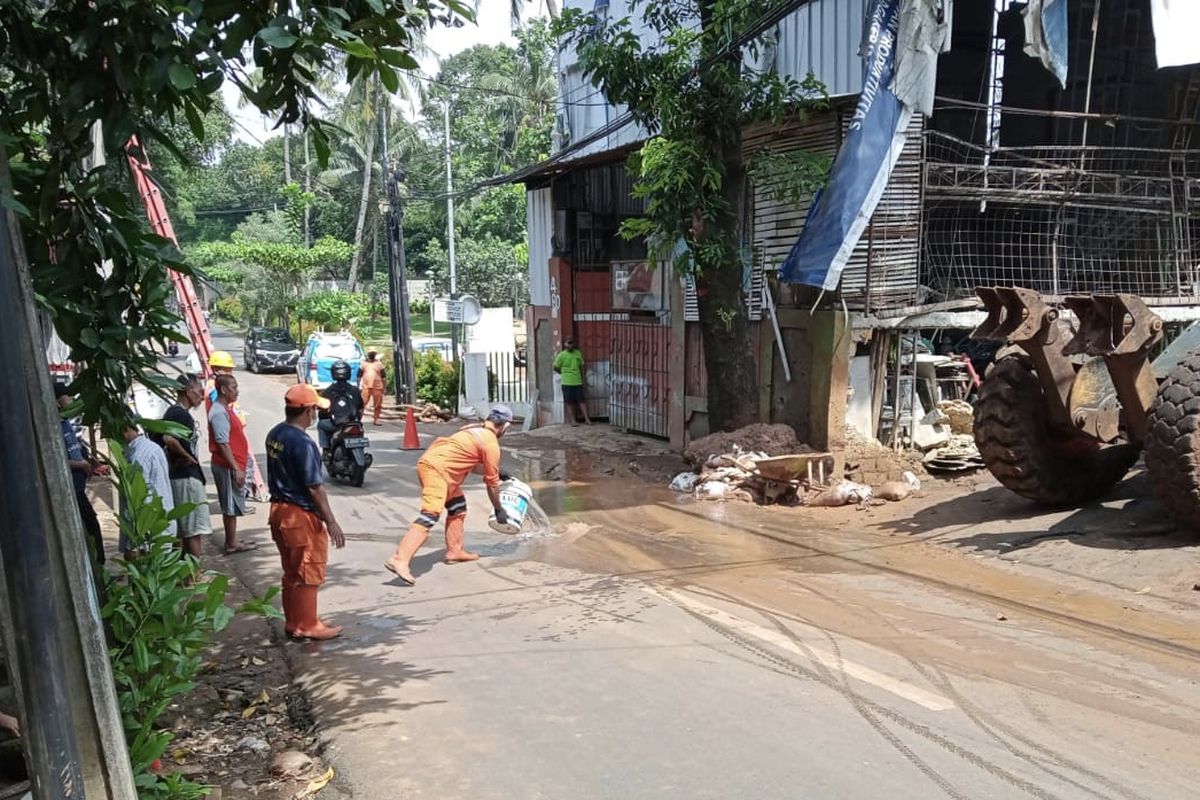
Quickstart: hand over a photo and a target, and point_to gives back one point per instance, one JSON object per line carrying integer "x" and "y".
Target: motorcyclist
{"x": 345, "y": 403}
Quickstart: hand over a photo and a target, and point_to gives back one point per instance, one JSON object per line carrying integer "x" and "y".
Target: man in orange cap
{"x": 442, "y": 470}
{"x": 302, "y": 522}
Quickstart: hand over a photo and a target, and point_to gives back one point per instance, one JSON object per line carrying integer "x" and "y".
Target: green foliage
{"x": 160, "y": 621}
{"x": 694, "y": 92}
{"x": 231, "y": 308}
{"x": 272, "y": 274}
{"x": 691, "y": 87}
{"x": 298, "y": 201}
{"x": 138, "y": 68}
{"x": 335, "y": 310}
{"x": 790, "y": 177}
{"x": 437, "y": 381}
{"x": 134, "y": 66}
{"x": 488, "y": 268}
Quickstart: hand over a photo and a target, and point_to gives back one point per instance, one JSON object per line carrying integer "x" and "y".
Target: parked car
{"x": 321, "y": 350}
{"x": 440, "y": 344}
{"x": 270, "y": 349}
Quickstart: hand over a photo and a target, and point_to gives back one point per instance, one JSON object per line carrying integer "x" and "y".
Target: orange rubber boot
{"x": 308, "y": 626}
{"x": 290, "y": 620}
{"x": 455, "y": 529}
{"x": 408, "y": 547}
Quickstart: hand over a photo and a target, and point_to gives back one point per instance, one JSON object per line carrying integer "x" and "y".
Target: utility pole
{"x": 402, "y": 356}
{"x": 450, "y": 235}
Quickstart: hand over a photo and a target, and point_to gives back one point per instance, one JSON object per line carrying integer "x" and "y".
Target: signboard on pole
{"x": 447, "y": 310}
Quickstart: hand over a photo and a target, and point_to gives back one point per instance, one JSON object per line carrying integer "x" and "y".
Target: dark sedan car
{"x": 270, "y": 350}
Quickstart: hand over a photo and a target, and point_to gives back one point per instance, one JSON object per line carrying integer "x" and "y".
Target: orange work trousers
{"x": 376, "y": 395}
{"x": 438, "y": 495}
{"x": 303, "y": 544}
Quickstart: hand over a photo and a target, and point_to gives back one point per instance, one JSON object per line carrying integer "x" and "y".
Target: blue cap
{"x": 500, "y": 415}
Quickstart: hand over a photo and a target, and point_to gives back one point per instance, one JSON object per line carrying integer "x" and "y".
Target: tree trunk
{"x": 724, "y": 323}
{"x": 728, "y": 353}
{"x": 287, "y": 155}
{"x": 360, "y": 228}
{"x": 307, "y": 188}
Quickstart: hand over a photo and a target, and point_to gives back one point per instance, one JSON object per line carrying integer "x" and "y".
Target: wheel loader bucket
{"x": 1013, "y": 313}
{"x": 1112, "y": 325}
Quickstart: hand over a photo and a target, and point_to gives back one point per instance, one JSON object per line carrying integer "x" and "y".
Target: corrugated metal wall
{"x": 823, "y": 38}
{"x": 883, "y": 268}
{"x": 539, "y": 220}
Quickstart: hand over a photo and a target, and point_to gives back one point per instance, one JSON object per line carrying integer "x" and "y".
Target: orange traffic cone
{"x": 411, "y": 440}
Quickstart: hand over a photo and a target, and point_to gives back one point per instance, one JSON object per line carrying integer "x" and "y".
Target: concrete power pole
{"x": 450, "y": 235}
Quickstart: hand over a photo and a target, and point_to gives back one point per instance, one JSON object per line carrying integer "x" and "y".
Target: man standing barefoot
{"x": 442, "y": 470}
{"x": 230, "y": 457}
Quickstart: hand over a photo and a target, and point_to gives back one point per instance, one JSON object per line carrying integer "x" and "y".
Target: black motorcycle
{"x": 347, "y": 458}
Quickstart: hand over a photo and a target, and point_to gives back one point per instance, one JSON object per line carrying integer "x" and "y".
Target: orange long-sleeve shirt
{"x": 456, "y": 456}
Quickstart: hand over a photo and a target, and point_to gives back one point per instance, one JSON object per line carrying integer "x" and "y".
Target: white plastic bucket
{"x": 514, "y": 499}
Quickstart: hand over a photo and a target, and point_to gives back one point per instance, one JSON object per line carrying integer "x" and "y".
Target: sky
{"x": 493, "y": 27}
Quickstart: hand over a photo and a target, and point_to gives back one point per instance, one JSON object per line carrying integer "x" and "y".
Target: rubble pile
{"x": 959, "y": 455}
{"x": 960, "y": 416}
{"x": 428, "y": 412}
{"x": 768, "y": 440}
{"x": 736, "y": 476}
{"x": 870, "y": 463}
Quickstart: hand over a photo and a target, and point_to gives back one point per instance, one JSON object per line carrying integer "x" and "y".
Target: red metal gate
{"x": 592, "y": 317}
{"x": 639, "y": 398}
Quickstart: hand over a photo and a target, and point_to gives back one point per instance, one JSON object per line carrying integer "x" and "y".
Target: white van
{"x": 321, "y": 351}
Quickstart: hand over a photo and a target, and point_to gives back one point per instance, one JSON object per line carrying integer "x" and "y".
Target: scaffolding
{"x": 1063, "y": 219}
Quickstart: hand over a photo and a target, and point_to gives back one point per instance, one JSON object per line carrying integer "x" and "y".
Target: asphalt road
{"x": 654, "y": 648}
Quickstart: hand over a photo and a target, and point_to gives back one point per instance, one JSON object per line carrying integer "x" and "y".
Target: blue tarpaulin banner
{"x": 860, "y": 173}
{"x": 1046, "y": 35}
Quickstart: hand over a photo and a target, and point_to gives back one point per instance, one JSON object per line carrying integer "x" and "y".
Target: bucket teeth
{"x": 1112, "y": 324}
{"x": 1012, "y": 313}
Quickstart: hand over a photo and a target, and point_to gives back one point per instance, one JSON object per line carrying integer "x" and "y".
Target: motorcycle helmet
{"x": 340, "y": 370}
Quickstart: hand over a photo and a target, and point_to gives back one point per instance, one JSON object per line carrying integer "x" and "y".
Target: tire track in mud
{"x": 861, "y": 704}
{"x": 1108, "y": 631}
{"x": 982, "y": 720}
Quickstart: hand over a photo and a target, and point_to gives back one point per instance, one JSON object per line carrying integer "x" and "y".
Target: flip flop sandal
{"x": 241, "y": 548}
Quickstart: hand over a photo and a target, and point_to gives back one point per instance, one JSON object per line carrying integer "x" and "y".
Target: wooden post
{"x": 48, "y": 610}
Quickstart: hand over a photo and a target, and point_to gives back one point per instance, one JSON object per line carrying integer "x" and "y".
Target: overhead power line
{"x": 764, "y": 23}
{"x": 465, "y": 87}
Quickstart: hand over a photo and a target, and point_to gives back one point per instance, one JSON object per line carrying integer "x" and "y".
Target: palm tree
{"x": 517, "y": 10}
{"x": 526, "y": 98}
{"x": 363, "y": 112}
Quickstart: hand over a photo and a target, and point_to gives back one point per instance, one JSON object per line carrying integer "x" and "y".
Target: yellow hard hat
{"x": 221, "y": 359}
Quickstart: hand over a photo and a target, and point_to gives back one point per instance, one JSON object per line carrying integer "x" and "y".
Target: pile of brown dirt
{"x": 869, "y": 462}
{"x": 774, "y": 440}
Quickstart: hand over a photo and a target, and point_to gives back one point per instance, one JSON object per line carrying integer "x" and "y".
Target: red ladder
{"x": 160, "y": 222}
{"x": 185, "y": 290}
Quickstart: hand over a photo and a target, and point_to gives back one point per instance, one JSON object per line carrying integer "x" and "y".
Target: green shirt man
{"x": 569, "y": 365}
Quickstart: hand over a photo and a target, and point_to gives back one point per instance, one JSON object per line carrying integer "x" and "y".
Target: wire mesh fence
{"x": 1061, "y": 219}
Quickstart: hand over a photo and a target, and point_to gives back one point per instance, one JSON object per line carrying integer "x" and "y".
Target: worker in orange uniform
{"x": 442, "y": 470}
{"x": 371, "y": 381}
{"x": 302, "y": 522}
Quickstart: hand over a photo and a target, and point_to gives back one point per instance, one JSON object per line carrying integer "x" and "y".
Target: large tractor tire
{"x": 1173, "y": 442}
{"x": 1022, "y": 451}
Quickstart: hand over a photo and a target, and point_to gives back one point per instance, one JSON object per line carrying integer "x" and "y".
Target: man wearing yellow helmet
{"x": 221, "y": 363}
